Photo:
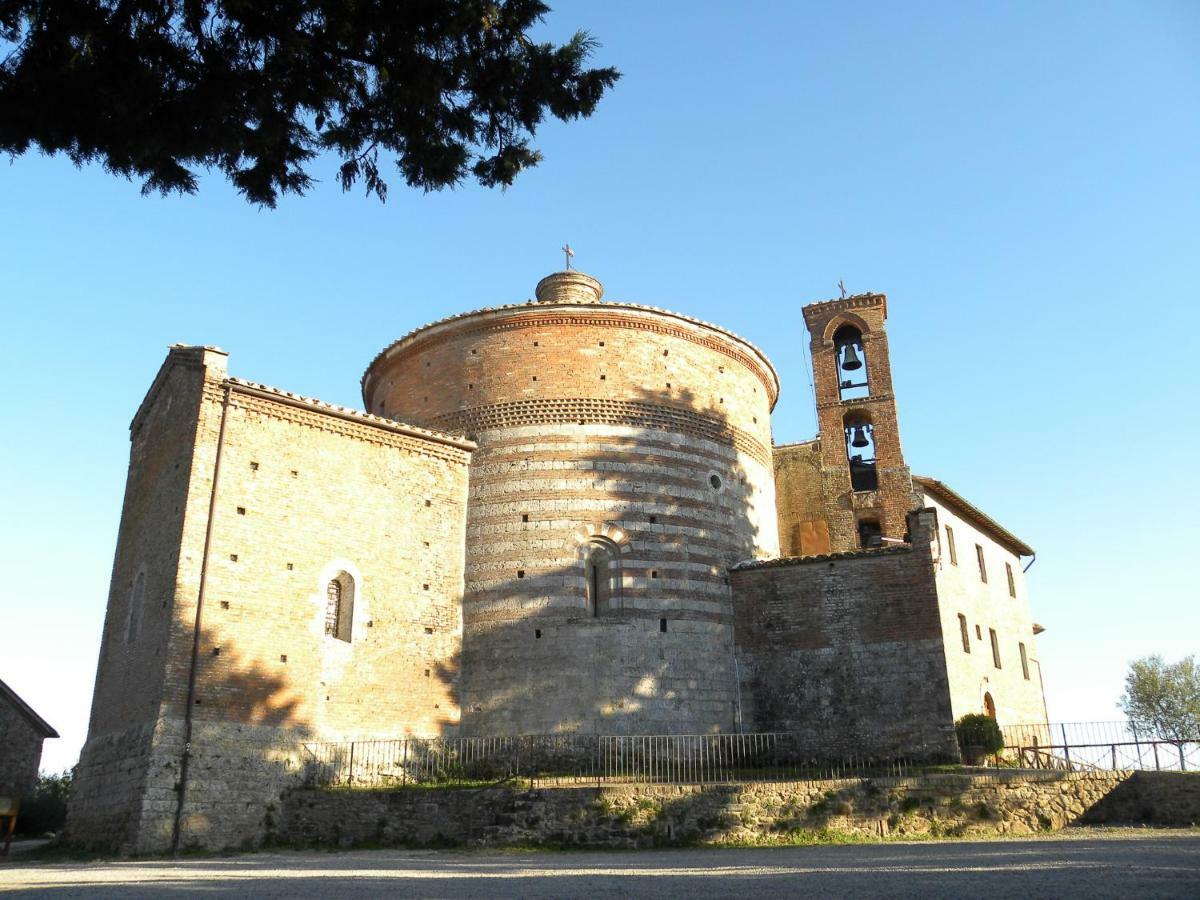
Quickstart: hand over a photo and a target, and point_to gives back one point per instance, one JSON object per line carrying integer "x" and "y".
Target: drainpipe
{"x": 191, "y": 689}
{"x": 1032, "y": 560}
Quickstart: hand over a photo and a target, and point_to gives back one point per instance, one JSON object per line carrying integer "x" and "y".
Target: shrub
{"x": 45, "y": 809}
{"x": 978, "y": 736}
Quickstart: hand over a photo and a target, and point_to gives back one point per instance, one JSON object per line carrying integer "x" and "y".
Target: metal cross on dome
{"x": 566, "y": 248}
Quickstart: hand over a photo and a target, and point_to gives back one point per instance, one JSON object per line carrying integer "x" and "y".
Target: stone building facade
{"x": 22, "y": 732}
{"x": 564, "y": 515}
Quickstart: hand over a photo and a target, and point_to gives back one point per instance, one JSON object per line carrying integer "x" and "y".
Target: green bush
{"x": 978, "y": 736}
{"x": 45, "y": 809}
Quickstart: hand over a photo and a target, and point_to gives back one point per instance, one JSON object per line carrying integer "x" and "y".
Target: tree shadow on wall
{"x": 248, "y": 746}
{"x": 659, "y": 484}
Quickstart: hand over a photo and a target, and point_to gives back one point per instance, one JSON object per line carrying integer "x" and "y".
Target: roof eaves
{"x": 975, "y": 514}
{"x": 782, "y": 561}
{"x": 26, "y": 710}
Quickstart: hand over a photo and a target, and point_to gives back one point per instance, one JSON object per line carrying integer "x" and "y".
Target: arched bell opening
{"x": 602, "y": 571}
{"x": 851, "y": 360}
{"x": 860, "y": 451}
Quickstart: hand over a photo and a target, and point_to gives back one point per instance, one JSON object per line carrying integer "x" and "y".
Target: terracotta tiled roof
{"x": 346, "y": 412}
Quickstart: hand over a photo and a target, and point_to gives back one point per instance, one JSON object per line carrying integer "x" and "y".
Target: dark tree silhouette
{"x": 258, "y": 88}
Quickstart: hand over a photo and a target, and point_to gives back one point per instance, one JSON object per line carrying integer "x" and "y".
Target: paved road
{"x": 1159, "y": 865}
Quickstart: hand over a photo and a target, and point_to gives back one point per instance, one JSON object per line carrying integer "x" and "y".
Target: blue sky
{"x": 1022, "y": 180}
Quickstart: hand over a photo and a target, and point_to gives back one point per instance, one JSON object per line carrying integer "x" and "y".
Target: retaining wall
{"x": 656, "y": 815}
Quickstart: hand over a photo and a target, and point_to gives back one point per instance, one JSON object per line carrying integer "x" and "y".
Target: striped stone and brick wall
{"x": 634, "y": 428}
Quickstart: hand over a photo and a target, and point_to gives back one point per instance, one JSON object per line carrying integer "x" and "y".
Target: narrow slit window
{"x": 1012, "y": 584}
{"x": 995, "y": 647}
{"x": 982, "y": 563}
{"x": 137, "y": 596}
{"x": 339, "y": 607}
{"x": 1024, "y": 662}
{"x": 966, "y": 635}
{"x": 950, "y": 546}
{"x": 600, "y": 571}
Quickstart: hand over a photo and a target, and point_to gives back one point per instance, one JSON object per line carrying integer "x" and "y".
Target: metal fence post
{"x": 1066, "y": 746}
{"x": 350, "y": 775}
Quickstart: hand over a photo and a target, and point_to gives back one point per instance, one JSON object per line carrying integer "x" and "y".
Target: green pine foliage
{"x": 158, "y": 89}
{"x": 979, "y": 733}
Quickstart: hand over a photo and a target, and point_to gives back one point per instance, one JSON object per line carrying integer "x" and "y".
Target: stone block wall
{"x": 20, "y": 751}
{"x": 136, "y": 675}
{"x": 631, "y": 816}
{"x": 847, "y": 649}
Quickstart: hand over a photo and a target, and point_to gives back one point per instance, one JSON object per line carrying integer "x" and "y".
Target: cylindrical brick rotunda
{"x": 624, "y": 462}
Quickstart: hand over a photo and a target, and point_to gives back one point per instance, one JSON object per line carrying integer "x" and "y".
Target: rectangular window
{"x": 950, "y": 546}
{"x": 1024, "y": 662}
{"x": 982, "y": 564}
{"x": 966, "y": 635}
{"x": 1012, "y": 585}
{"x": 995, "y": 648}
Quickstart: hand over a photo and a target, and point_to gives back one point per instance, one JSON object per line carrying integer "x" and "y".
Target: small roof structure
{"x": 973, "y": 514}
{"x": 26, "y": 710}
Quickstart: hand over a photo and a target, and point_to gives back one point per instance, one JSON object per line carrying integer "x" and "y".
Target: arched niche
{"x": 860, "y": 450}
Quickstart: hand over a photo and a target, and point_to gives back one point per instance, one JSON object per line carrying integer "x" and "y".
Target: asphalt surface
{"x": 1143, "y": 866}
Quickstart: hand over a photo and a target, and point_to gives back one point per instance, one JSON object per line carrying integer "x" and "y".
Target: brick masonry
{"x": 894, "y": 498}
{"x": 847, "y": 650}
{"x": 305, "y": 494}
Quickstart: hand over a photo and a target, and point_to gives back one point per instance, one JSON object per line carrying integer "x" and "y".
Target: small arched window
{"x": 860, "y": 451}
{"x": 850, "y": 360}
{"x": 989, "y": 705}
{"x": 137, "y": 596}
{"x": 602, "y": 571}
{"x": 339, "y": 607}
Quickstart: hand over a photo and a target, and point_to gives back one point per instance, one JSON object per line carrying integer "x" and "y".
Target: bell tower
{"x": 866, "y": 486}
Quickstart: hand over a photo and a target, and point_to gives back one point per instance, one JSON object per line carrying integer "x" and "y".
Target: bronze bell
{"x": 860, "y": 439}
{"x": 851, "y": 362}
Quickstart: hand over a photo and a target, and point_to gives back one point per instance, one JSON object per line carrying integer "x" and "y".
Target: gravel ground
{"x": 1137, "y": 864}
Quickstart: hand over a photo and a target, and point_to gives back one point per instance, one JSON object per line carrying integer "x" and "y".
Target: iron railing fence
{"x": 1091, "y": 746}
{"x": 592, "y": 759}
{"x": 563, "y": 759}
